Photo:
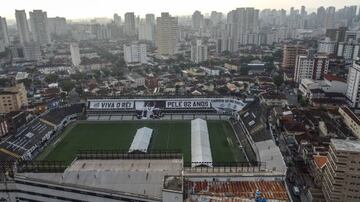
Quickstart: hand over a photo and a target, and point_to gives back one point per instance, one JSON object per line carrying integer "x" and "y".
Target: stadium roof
{"x": 200, "y": 143}
{"x": 129, "y": 177}
{"x": 141, "y": 140}
{"x": 271, "y": 155}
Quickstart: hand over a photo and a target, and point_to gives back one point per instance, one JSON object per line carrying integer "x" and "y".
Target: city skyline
{"x": 82, "y": 10}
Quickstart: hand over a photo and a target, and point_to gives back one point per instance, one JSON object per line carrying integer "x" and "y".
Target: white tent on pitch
{"x": 200, "y": 144}
{"x": 141, "y": 140}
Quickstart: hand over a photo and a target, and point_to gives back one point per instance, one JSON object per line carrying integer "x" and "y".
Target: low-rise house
{"x": 273, "y": 99}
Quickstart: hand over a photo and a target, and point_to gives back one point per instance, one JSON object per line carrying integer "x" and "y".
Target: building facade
{"x": 353, "y": 86}
{"x": 32, "y": 51}
{"x": 349, "y": 50}
{"x": 129, "y": 25}
{"x": 166, "y": 34}
{"x": 199, "y": 52}
{"x": 75, "y": 54}
{"x": 40, "y": 27}
{"x": 310, "y": 67}
{"x": 13, "y": 98}
{"x": 351, "y": 120}
{"x": 57, "y": 25}
{"x": 290, "y": 53}
{"x": 327, "y": 46}
{"x": 22, "y": 26}
{"x": 243, "y": 27}
{"x": 4, "y": 35}
{"x": 342, "y": 172}
{"x": 135, "y": 53}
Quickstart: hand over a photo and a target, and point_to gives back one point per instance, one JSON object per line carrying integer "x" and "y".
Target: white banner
{"x": 111, "y": 105}
{"x": 187, "y": 104}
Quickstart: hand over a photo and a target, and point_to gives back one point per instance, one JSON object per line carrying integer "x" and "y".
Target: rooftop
{"x": 320, "y": 161}
{"x": 133, "y": 176}
{"x": 346, "y": 145}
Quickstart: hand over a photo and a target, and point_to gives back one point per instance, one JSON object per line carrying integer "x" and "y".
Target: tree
{"x": 67, "y": 85}
{"x": 278, "y": 80}
{"x": 244, "y": 70}
{"x": 51, "y": 78}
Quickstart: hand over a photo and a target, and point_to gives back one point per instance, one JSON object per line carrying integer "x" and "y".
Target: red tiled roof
{"x": 331, "y": 77}
{"x": 320, "y": 161}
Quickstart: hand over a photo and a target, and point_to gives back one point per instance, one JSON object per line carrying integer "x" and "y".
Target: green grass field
{"x": 171, "y": 135}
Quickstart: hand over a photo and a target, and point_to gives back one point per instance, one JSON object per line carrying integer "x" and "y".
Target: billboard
{"x": 116, "y": 104}
{"x": 186, "y": 104}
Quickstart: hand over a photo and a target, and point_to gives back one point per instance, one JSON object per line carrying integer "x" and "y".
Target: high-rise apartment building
{"x": 197, "y": 20}
{"x": 289, "y": 55}
{"x": 117, "y": 19}
{"x": 102, "y": 32}
{"x": 216, "y": 17}
{"x": 320, "y": 16}
{"x": 57, "y": 25}
{"x": 13, "y": 98}
{"x": 129, "y": 25}
{"x": 135, "y": 53}
{"x": 243, "y": 26}
{"x": 341, "y": 178}
{"x": 32, "y": 51}
{"x": 150, "y": 18}
{"x": 348, "y": 50}
{"x": 327, "y": 46}
{"x": 330, "y": 17}
{"x": 75, "y": 54}
{"x": 353, "y": 86}
{"x": 166, "y": 34}
{"x": 22, "y": 26}
{"x": 310, "y": 67}
{"x": 199, "y": 52}
{"x": 4, "y": 35}
{"x": 40, "y": 27}
{"x": 147, "y": 28}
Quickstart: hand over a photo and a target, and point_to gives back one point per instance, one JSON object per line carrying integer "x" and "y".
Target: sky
{"x": 80, "y": 9}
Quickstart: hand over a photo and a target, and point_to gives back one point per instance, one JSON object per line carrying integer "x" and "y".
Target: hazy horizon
{"x": 82, "y": 9}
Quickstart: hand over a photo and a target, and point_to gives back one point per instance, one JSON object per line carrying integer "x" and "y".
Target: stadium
{"x": 191, "y": 139}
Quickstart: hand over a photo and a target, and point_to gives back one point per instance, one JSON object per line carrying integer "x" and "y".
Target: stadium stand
{"x": 56, "y": 116}
{"x": 253, "y": 119}
{"x": 26, "y": 142}
{"x": 236, "y": 190}
{"x": 36, "y": 134}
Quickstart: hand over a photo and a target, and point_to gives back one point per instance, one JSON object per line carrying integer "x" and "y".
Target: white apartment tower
{"x": 166, "y": 34}
{"x": 310, "y": 67}
{"x": 4, "y": 37}
{"x": 22, "y": 26}
{"x": 75, "y": 54}
{"x": 348, "y": 50}
{"x": 135, "y": 53}
{"x": 327, "y": 46}
{"x": 199, "y": 52}
{"x": 353, "y": 86}
{"x": 40, "y": 27}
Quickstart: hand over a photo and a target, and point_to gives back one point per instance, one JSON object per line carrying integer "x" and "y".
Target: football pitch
{"x": 167, "y": 135}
